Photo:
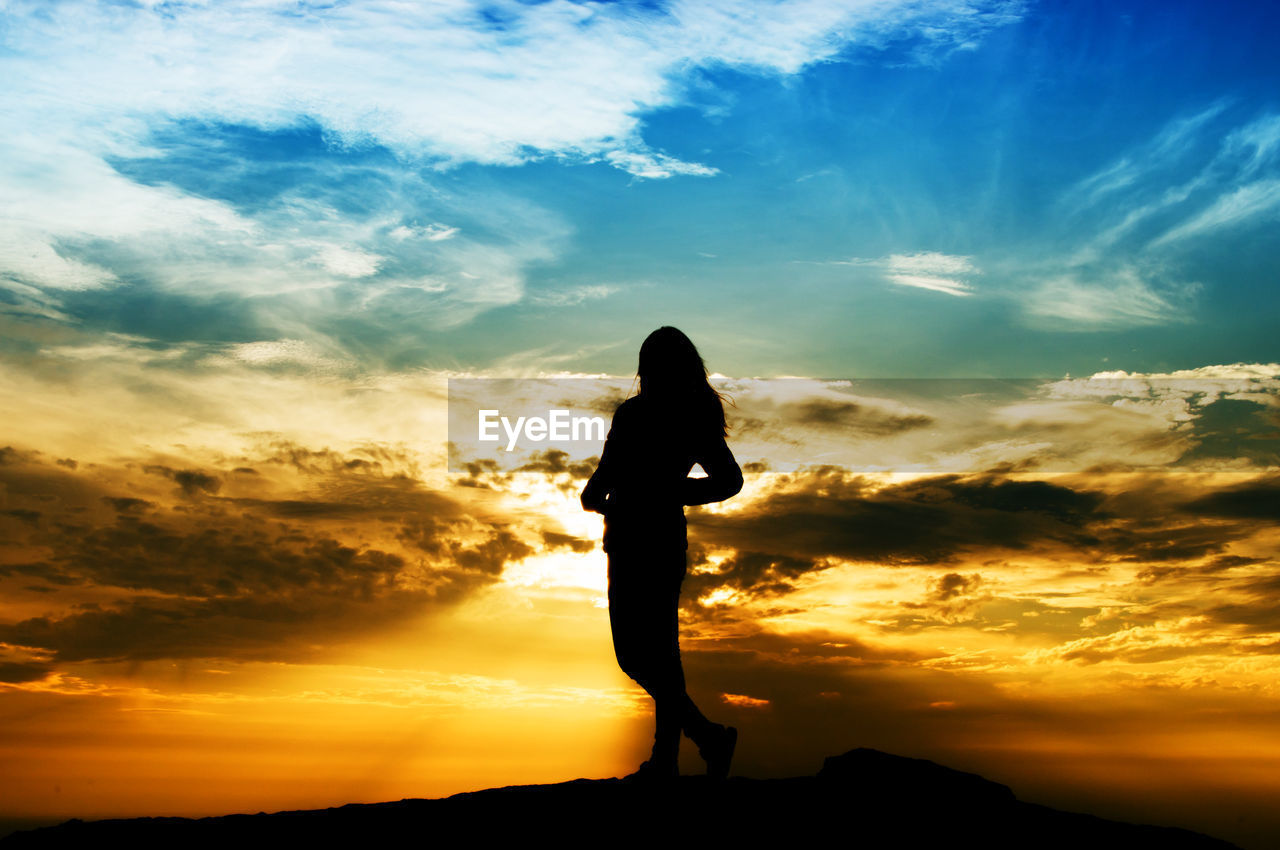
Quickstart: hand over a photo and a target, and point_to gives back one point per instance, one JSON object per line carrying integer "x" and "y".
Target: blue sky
{"x": 945, "y": 189}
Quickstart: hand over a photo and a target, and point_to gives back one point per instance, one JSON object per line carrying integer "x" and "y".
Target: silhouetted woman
{"x": 641, "y": 486}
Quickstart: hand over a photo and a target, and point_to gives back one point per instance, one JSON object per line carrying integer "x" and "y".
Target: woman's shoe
{"x": 718, "y": 751}
{"x": 654, "y": 771}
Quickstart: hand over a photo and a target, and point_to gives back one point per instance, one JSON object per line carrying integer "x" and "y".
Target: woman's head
{"x": 672, "y": 370}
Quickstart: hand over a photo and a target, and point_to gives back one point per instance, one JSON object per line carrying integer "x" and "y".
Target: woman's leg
{"x": 676, "y": 710}
{"x": 644, "y": 599}
{"x": 643, "y": 595}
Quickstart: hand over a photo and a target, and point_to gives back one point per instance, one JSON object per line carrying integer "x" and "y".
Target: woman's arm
{"x": 595, "y": 496}
{"x": 724, "y": 478}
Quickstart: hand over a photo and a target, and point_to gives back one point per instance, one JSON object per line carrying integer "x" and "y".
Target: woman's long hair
{"x": 672, "y": 373}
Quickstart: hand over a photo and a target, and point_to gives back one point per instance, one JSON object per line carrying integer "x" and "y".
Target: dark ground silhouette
{"x": 865, "y": 797}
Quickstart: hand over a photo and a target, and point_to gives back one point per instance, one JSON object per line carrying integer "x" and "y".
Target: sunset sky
{"x": 992, "y": 285}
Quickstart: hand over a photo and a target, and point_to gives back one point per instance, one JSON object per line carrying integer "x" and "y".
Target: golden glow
{"x": 436, "y": 632}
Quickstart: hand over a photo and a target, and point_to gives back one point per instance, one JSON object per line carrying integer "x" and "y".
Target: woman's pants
{"x": 644, "y": 598}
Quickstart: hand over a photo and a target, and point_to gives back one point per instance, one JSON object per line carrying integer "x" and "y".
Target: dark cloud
{"x": 1258, "y": 499}
{"x": 857, "y": 418}
{"x": 826, "y": 513}
{"x": 1234, "y": 429}
{"x": 952, "y": 585}
{"x": 372, "y": 458}
{"x": 483, "y": 474}
{"x": 22, "y": 514}
{"x": 213, "y": 558}
{"x": 850, "y": 418}
{"x": 20, "y": 664}
{"x": 603, "y": 403}
{"x": 1229, "y": 562}
{"x": 41, "y": 570}
{"x": 756, "y": 573}
{"x": 303, "y": 508}
{"x": 800, "y": 648}
{"x": 280, "y": 625}
{"x": 1249, "y": 602}
{"x": 553, "y": 462}
{"x": 192, "y": 481}
{"x": 565, "y": 473}
{"x": 1146, "y": 539}
{"x": 1260, "y": 616}
{"x": 128, "y": 504}
{"x": 243, "y": 577}
{"x": 559, "y": 540}
{"x": 351, "y": 492}
{"x": 18, "y": 672}
{"x": 10, "y": 455}
{"x": 1211, "y": 568}
{"x": 485, "y": 556}
{"x": 1156, "y": 652}
{"x": 807, "y": 520}
{"x": 952, "y": 598}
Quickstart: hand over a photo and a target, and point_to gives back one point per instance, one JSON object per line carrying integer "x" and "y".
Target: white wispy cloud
{"x": 575, "y": 295}
{"x": 1165, "y": 149}
{"x": 1118, "y": 298}
{"x": 1231, "y": 185}
{"x": 348, "y": 262}
{"x": 656, "y": 165}
{"x": 34, "y": 259}
{"x": 932, "y": 270}
{"x": 1250, "y": 201}
{"x": 1198, "y": 174}
{"x": 495, "y": 82}
{"x": 54, "y": 192}
{"x": 293, "y": 352}
{"x": 430, "y": 232}
{"x": 1053, "y": 294}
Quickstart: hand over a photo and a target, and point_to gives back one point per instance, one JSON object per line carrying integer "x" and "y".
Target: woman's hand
{"x": 594, "y": 498}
